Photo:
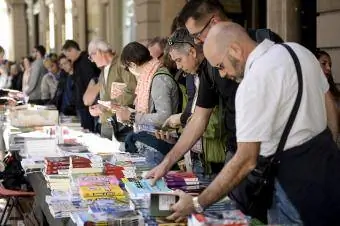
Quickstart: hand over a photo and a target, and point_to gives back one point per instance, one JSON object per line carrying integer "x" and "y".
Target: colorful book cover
{"x": 140, "y": 188}
{"x": 97, "y": 180}
{"x": 117, "y": 88}
{"x": 109, "y": 206}
{"x": 102, "y": 191}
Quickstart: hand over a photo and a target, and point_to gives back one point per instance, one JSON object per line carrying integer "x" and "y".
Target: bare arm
{"x": 243, "y": 162}
{"x": 91, "y": 93}
{"x": 332, "y": 114}
{"x": 192, "y": 132}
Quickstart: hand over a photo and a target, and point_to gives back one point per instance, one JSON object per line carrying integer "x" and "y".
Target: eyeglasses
{"x": 197, "y": 35}
{"x": 220, "y": 66}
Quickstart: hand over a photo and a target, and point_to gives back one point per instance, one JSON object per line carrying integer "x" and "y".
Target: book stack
{"x": 158, "y": 221}
{"x": 224, "y": 204}
{"x": 179, "y": 180}
{"x": 120, "y": 170}
{"x": 73, "y": 193}
{"x": 71, "y": 148}
{"x": 54, "y": 164}
{"x": 110, "y": 206}
{"x": 141, "y": 188}
{"x": 39, "y": 144}
{"x": 85, "y": 164}
{"x": 58, "y": 182}
{"x": 127, "y": 157}
{"x": 61, "y": 208}
{"x": 100, "y": 219}
{"x": 101, "y": 192}
{"x": 225, "y": 218}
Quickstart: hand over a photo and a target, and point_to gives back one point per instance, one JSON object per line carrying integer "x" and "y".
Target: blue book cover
{"x": 142, "y": 187}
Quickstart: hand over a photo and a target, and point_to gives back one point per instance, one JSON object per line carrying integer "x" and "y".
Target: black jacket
{"x": 58, "y": 98}
{"x": 17, "y": 82}
{"x": 84, "y": 71}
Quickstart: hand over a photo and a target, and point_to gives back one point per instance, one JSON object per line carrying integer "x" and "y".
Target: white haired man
{"x": 101, "y": 53}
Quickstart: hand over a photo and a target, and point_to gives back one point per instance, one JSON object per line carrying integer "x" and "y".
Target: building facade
{"x": 51, "y": 22}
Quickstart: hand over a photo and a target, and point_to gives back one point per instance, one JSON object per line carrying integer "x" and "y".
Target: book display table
{"x": 80, "y": 178}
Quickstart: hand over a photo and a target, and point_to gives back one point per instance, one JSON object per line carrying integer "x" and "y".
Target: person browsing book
{"x": 114, "y": 84}
{"x": 189, "y": 57}
{"x": 307, "y": 175}
{"x": 157, "y": 94}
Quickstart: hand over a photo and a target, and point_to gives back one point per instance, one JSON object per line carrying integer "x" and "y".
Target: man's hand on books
{"x": 95, "y": 110}
{"x": 157, "y": 173}
{"x": 182, "y": 208}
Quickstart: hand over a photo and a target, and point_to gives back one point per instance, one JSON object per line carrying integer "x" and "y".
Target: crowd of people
{"x": 213, "y": 97}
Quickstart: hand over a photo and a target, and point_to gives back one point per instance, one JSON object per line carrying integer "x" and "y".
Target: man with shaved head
{"x": 199, "y": 17}
{"x": 307, "y": 180}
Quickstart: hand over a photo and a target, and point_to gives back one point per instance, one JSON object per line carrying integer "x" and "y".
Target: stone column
{"x": 283, "y": 17}
{"x": 103, "y": 4}
{"x": 147, "y": 18}
{"x": 75, "y": 20}
{"x": 59, "y": 24}
{"x": 115, "y": 29}
{"x": 43, "y": 23}
{"x": 31, "y": 25}
{"x": 169, "y": 10}
{"x": 81, "y": 13}
{"x": 18, "y": 29}
{"x": 79, "y": 23}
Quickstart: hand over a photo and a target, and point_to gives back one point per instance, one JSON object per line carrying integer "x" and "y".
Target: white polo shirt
{"x": 266, "y": 96}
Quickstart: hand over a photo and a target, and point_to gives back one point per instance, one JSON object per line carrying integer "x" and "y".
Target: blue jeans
{"x": 147, "y": 145}
{"x": 282, "y": 211}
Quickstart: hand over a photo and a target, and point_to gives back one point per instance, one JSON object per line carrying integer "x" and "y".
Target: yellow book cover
{"x": 96, "y": 191}
{"x": 118, "y": 198}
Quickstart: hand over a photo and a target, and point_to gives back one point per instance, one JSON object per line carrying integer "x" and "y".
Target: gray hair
{"x": 99, "y": 44}
{"x": 181, "y": 41}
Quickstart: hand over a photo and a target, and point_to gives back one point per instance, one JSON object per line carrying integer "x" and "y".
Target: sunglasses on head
{"x": 173, "y": 41}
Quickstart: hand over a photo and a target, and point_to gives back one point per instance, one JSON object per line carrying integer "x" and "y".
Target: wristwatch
{"x": 198, "y": 208}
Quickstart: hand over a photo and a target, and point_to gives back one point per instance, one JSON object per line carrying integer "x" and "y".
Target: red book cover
{"x": 57, "y": 163}
{"x": 81, "y": 165}
{"x": 78, "y": 159}
{"x": 49, "y": 172}
{"x": 55, "y": 167}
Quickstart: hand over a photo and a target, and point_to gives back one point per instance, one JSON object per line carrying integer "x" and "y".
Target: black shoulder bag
{"x": 254, "y": 194}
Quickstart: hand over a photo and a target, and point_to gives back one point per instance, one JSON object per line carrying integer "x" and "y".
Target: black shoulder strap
{"x": 296, "y": 106}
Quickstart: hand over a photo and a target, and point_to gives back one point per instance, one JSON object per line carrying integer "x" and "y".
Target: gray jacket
{"x": 164, "y": 100}
{"x": 49, "y": 86}
{"x": 34, "y": 81}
